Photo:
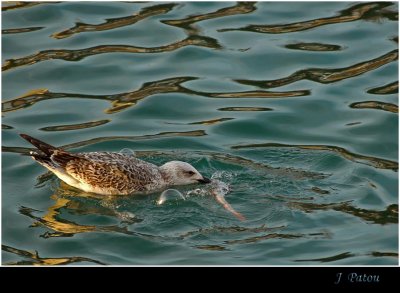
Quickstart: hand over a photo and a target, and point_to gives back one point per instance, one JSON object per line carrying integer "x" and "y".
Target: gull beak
{"x": 204, "y": 180}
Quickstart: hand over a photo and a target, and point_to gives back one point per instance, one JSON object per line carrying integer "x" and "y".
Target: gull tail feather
{"x": 42, "y": 146}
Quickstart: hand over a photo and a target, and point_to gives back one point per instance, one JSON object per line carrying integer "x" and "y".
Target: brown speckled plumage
{"x": 112, "y": 173}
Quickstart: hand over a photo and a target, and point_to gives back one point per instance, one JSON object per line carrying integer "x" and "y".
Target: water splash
{"x": 217, "y": 188}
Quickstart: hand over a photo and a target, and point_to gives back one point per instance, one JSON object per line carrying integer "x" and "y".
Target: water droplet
{"x": 127, "y": 152}
{"x": 168, "y": 195}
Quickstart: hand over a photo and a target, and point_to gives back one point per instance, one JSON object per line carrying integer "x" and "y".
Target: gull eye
{"x": 191, "y": 173}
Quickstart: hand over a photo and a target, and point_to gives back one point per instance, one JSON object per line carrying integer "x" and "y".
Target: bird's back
{"x": 117, "y": 173}
{"x": 99, "y": 172}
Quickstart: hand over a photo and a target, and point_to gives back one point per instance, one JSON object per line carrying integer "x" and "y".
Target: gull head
{"x": 181, "y": 173}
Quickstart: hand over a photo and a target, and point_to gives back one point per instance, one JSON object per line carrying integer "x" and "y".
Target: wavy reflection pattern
{"x": 366, "y": 11}
{"x": 250, "y": 100}
{"x": 33, "y": 258}
{"x": 123, "y": 101}
{"x": 113, "y": 23}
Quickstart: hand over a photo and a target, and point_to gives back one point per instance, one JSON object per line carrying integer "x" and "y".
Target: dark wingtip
{"x": 27, "y": 137}
{"x": 42, "y": 146}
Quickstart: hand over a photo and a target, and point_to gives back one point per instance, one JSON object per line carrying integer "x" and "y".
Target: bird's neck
{"x": 165, "y": 175}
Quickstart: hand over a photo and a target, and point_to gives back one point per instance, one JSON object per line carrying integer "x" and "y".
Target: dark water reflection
{"x": 314, "y": 47}
{"x": 77, "y": 55}
{"x": 36, "y": 260}
{"x": 114, "y": 23}
{"x": 20, "y": 4}
{"x": 75, "y": 126}
{"x": 376, "y": 105}
{"x": 20, "y": 30}
{"x": 322, "y": 75}
{"x": 366, "y": 11}
{"x": 388, "y": 216}
{"x": 125, "y": 100}
{"x": 391, "y": 88}
{"x": 294, "y": 106}
{"x": 187, "y": 23}
{"x": 372, "y": 161}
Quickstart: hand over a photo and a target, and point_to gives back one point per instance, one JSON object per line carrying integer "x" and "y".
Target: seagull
{"x": 110, "y": 173}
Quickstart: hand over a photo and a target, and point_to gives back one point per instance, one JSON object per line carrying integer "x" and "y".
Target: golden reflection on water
{"x": 367, "y": 11}
{"x": 20, "y": 30}
{"x": 79, "y": 54}
{"x": 61, "y": 227}
{"x": 376, "y": 105}
{"x": 10, "y": 5}
{"x": 64, "y": 228}
{"x": 322, "y": 75}
{"x": 314, "y": 47}
{"x": 119, "y": 101}
{"x": 391, "y": 88}
{"x": 36, "y": 260}
{"x": 113, "y": 23}
{"x": 169, "y": 85}
{"x": 75, "y": 126}
{"x": 367, "y": 160}
{"x": 239, "y": 8}
{"x": 126, "y": 100}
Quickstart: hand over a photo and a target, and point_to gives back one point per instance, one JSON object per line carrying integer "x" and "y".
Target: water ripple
{"x": 20, "y": 30}
{"x": 375, "y": 105}
{"x": 79, "y": 54}
{"x": 366, "y": 11}
{"x": 36, "y": 260}
{"x": 113, "y": 23}
{"x": 21, "y": 4}
{"x": 319, "y": 47}
{"x": 387, "y": 89}
{"x": 362, "y": 159}
{"x": 330, "y": 258}
{"x": 122, "y": 101}
{"x": 239, "y": 8}
{"x": 388, "y": 216}
{"x": 325, "y": 75}
{"x": 194, "y": 82}
{"x": 75, "y": 126}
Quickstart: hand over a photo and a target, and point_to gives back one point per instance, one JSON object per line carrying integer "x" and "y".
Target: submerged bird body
{"x": 111, "y": 173}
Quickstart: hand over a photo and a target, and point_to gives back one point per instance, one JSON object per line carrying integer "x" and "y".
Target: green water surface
{"x": 293, "y": 105}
